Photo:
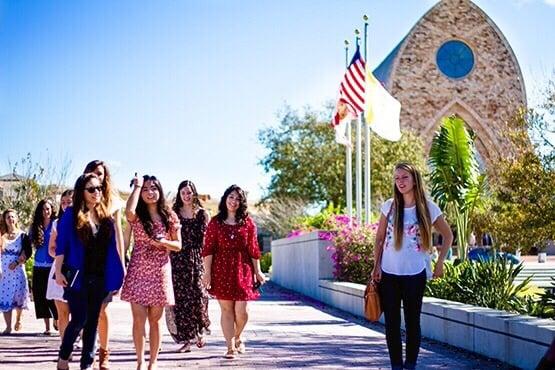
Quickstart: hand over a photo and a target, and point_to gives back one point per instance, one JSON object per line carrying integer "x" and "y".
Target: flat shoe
{"x": 17, "y": 326}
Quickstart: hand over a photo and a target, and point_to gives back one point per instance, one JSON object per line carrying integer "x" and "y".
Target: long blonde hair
{"x": 422, "y": 211}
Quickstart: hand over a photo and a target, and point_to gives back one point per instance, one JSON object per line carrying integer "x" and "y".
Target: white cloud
{"x": 550, "y": 2}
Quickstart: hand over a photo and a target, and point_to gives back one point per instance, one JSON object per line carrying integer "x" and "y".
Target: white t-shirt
{"x": 410, "y": 259}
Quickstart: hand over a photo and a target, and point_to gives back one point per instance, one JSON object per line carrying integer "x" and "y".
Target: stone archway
{"x": 487, "y": 143}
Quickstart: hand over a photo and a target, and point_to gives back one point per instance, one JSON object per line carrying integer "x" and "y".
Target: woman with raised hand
{"x": 188, "y": 320}
{"x": 403, "y": 241}
{"x": 113, "y": 203}
{"x": 14, "y": 290}
{"x": 54, "y": 291}
{"x": 148, "y": 284}
{"x": 232, "y": 265}
{"x": 40, "y": 236}
{"x": 88, "y": 265}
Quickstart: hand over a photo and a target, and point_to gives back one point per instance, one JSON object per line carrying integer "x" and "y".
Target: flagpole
{"x": 348, "y": 154}
{"x": 367, "y": 142}
{"x": 358, "y": 158}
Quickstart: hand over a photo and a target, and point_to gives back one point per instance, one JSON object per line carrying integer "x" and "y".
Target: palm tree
{"x": 457, "y": 185}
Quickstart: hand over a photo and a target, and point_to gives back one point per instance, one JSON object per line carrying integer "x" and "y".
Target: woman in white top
{"x": 403, "y": 243}
{"x": 55, "y": 291}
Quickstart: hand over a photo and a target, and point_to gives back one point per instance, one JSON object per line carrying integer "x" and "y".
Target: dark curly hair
{"x": 179, "y": 202}
{"x": 241, "y": 214}
{"x": 37, "y": 227}
{"x": 161, "y": 207}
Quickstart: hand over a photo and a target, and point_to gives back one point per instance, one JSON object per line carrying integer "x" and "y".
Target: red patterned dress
{"x": 232, "y": 247}
{"x": 149, "y": 277}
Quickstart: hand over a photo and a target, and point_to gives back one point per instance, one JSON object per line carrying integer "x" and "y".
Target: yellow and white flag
{"x": 382, "y": 110}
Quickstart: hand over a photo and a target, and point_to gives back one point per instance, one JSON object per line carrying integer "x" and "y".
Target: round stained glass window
{"x": 455, "y": 59}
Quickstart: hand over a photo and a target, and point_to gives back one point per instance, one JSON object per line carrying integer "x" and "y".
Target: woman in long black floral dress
{"x": 188, "y": 320}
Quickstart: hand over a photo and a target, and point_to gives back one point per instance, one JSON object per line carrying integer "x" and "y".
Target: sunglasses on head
{"x": 93, "y": 189}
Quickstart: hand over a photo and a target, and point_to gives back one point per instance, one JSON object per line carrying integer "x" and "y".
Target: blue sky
{"x": 180, "y": 89}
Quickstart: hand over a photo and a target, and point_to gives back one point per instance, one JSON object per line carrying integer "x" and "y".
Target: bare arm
{"x": 378, "y": 249}
{"x": 173, "y": 244}
{"x": 447, "y": 235}
{"x": 207, "y": 277}
{"x": 52, "y": 243}
{"x": 131, "y": 206}
{"x": 127, "y": 238}
{"x": 119, "y": 236}
{"x": 60, "y": 278}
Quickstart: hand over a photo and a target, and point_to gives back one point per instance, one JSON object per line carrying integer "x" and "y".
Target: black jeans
{"x": 409, "y": 289}
{"x": 84, "y": 307}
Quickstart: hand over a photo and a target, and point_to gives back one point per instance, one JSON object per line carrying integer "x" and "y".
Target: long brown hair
{"x": 81, "y": 221}
{"x": 37, "y": 227}
{"x": 179, "y": 202}
{"x": 107, "y": 197}
{"x": 422, "y": 211}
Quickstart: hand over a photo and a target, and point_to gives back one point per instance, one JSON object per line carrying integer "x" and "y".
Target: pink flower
{"x": 295, "y": 233}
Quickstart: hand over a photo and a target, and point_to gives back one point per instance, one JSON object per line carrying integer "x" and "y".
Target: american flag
{"x": 351, "y": 97}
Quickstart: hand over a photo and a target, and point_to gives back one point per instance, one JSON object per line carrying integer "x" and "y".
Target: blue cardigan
{"x": 69, "y": 245}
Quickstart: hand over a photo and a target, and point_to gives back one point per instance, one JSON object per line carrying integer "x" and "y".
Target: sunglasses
{"x": 94, "y": 189}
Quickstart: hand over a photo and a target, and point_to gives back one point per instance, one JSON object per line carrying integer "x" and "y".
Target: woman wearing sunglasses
{"x": 113, "y": 203}
{"x": 88, "y": 265}
{"x": 148, "y": 284}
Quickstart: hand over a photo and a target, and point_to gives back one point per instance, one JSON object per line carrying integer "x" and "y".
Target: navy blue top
{"x": 69, "y": 245}
{"x": 42, "y": 258}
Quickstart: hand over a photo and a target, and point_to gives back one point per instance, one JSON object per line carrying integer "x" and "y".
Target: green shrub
{"x": 542, "y": 305}
{"x": 266, "y": 262}
{"x": 319, "y": 220}
{"x": 485, "y": 283}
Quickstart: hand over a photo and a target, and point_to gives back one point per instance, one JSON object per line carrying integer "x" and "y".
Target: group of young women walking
{"x": 179, "y": 256}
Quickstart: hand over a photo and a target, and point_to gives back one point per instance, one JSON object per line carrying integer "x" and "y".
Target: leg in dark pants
{"x": 390, "y": 294}
{"x": 412, "y": 292}
{"x": 44, "y": 308}
{"x": 84, "y": 307}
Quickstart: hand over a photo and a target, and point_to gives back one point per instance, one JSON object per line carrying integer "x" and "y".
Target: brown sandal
{"x": 103, "y": 359}
{"x": 230, "y": 354}
{"x": 240, "y": 346}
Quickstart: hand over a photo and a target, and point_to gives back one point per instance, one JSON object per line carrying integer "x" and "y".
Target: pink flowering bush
{"x": 351, "y": 243}
{"x": 352, "y": 250}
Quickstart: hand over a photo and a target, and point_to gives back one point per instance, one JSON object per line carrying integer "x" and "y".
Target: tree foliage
{"x": 457, "y": 185}
{"x": 36, "y": 181}
{"x": 521, "y": 213}
{"x": 305, "y": 162}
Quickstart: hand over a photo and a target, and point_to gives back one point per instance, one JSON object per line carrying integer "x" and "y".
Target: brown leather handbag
{"x": 372, "y": 306}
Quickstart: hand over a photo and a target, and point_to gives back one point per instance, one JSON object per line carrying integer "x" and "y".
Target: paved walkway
{"x": 285, "y": 331}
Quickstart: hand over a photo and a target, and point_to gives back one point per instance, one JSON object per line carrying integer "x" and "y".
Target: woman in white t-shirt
{"x": 403, "y": 243}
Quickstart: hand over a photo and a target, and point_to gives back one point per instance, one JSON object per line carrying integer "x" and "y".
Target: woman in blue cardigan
{"x": 88, "y": 265}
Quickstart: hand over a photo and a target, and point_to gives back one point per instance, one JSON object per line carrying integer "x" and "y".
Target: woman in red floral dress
{"x": 232, "y": 265}
{"x": 148, "y": 284}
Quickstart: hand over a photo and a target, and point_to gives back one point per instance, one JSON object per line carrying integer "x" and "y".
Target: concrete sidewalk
{"x": 285, "y": 331}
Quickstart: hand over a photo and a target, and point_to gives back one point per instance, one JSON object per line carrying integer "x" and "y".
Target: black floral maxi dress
{"x": 189, "y": 317}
